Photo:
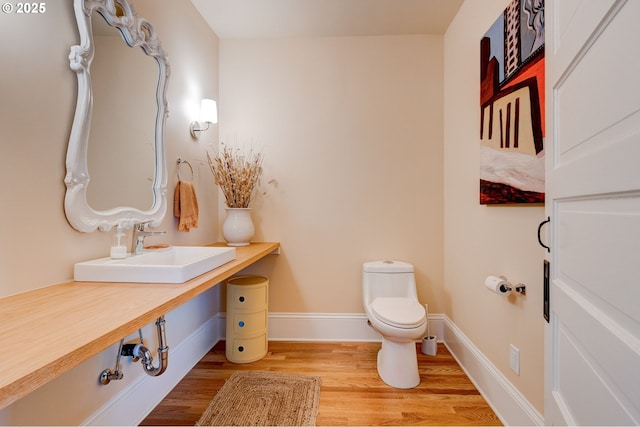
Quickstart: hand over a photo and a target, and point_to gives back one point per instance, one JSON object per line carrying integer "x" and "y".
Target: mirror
{"x": 121, "y": 137}
{"x": 116, "y": 168}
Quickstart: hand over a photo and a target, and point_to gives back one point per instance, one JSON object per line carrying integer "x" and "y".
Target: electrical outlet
{"x": 514, "y": 359}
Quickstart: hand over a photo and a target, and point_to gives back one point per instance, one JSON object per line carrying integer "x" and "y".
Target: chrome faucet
{"x": 138, "y": 235}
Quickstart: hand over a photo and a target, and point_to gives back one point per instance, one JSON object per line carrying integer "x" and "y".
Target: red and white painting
{"x": 512, "y": 106}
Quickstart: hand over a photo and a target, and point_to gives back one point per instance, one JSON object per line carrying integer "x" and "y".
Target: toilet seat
{"x": 405, "y": 313}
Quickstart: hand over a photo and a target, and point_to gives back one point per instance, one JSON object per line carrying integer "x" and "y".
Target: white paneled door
{"x": 592, "y": 340}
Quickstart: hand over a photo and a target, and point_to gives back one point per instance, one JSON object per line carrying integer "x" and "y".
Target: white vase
{"x": 237, "y": 228}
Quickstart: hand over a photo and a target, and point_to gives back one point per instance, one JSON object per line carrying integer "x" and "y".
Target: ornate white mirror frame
{"x": 137, "y": 32}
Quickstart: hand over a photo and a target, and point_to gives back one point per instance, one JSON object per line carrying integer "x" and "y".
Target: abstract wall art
{"x": 512, "y": 106}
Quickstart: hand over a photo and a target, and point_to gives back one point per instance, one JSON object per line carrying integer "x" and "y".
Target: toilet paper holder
{"x": 519, "y": 288}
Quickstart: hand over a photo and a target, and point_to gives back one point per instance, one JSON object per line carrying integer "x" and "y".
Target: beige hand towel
{"x": 185, "y": 206}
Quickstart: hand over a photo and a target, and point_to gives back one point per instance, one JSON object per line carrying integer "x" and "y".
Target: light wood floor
{"x": 351, "y": 392}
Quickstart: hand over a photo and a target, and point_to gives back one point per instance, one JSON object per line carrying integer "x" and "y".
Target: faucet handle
{"x": 140, "y": 226}
{"x": 139, "y": 234}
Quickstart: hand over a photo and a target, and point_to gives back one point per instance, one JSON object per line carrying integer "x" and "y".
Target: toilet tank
{"x": 381, "y": 279}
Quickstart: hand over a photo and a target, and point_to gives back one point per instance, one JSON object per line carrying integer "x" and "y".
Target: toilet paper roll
{"x": 498, "y": 285}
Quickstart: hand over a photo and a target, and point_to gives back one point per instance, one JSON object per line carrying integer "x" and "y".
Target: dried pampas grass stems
{"x": 236, "y": 174}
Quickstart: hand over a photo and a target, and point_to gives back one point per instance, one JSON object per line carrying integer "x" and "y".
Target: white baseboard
{"x": 342, "y": 327}
{"x": 504, "y": 398}
{"x": 134, "y": 403}
{"x": 320, "y": 327}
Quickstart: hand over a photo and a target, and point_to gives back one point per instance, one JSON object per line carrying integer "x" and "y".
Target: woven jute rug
{"x": 264, "y": 399}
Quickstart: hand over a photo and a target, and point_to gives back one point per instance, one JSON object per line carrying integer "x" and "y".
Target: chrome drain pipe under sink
{"x": 142, "y": 353}
{"x": 163, "y": 352}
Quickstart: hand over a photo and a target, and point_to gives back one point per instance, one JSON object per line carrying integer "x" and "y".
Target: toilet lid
{"x": 400, "y": 312}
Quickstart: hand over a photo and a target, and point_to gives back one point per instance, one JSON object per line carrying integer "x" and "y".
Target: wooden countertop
{"x": 48, "y": 331}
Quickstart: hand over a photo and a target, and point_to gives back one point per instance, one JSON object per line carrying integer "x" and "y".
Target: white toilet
{"x": 391, "y": 303}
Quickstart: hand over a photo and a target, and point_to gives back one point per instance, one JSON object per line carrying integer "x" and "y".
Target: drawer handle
{"x": 241, "y": 348}
{"x": 241, "y": 324}
{"x": 241, "y": 299}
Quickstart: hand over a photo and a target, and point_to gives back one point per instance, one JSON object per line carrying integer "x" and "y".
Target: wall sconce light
{"x": 208, "y": 115}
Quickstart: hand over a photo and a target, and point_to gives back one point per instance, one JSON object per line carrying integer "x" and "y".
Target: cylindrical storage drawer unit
{"x": 247, "y": 311}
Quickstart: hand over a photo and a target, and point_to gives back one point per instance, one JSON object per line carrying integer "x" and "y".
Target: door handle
{"x": 539, "y": 237}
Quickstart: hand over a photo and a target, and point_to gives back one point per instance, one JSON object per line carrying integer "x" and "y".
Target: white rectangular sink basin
{"x": 175, "y": 264}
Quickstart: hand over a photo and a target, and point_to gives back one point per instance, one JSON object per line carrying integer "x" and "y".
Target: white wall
{"x": 351, "y": 130}
{"x": 37, "y": 101}
{"x": 486, "y": 240}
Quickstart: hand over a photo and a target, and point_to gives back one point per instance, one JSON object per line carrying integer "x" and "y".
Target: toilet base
{"x": 398, "y": 364}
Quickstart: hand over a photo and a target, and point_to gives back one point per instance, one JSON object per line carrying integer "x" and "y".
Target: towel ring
{"x": 180, "y": 163}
